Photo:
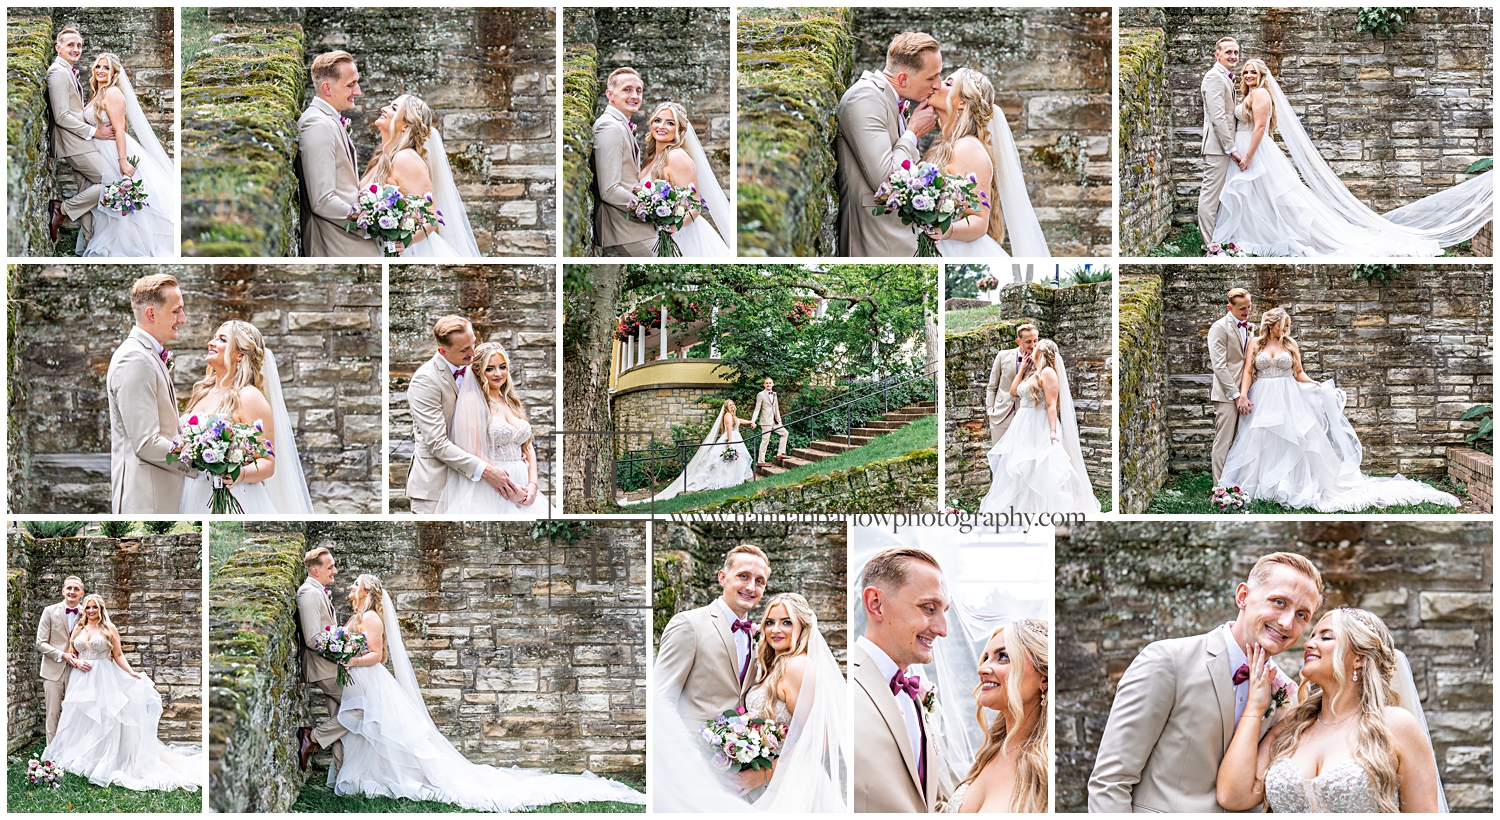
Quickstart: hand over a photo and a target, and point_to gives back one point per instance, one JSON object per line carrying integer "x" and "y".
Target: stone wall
{"x": 1413, "y": 355}
{"x": 153, "y": 589}
{"x": 906, "y": 483}
{"x": 1397, "y": 118}
{"x": 655, "y": 410}
{"x": 144, "y": 40}
{"x": 323, "y": 322}
{"x": 514, "y": 305}
{"x": 793, "y": 66}
{"x": 1144, "y": 444}
{"x": 1051, "y": 72}
{"x": 1123, "y": 585}
{"x": 490, "y": 76}
{"x": 808, "y": 559}
{"x": 1145, "y": 141}
{"x": 580, "y": 90}
{"x": 1078, "y": 319}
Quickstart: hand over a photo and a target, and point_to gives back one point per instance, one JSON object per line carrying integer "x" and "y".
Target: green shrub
{"x": 158, "y": 527}
{"x": 116, "y": 529}
{"x": 55, "y": 529}
{"x": 1383, "y": 21}
{"x": 1482, "y": 439}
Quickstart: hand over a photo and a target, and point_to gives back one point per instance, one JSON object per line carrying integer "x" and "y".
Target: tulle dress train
{"x": 1030, "y": 473}
{"x": 148, "y": 232}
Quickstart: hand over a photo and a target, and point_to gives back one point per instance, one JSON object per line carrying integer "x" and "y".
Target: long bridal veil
{"x": 401, "y": 668}
{"x": 1447, "y": 217}
{"x": 1067, "y": 421}
{"x": 1407, "y": 698}
{"x": 1021, "y": 224}
{"x": 167, "y": 195}
{"x": 455, "y": 227}
{"x": 287, "y": 486}
{"x": 708, "y": 188}
{"x": 697, "y": 465}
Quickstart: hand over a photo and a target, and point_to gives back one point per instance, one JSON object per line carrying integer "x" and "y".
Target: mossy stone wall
{"x": 1121, "y": 586}
{"x": 323, "y": 322}
{"x": 655, "y": 410}
{"x": 256, "y": 698}
{"x": 1051, "y": 72}
{"x": 1078, "y": 320}
{"x": 490, "y": 76}
{"x": 580, "y": 90}
{"x": 1144, "y": 443}
{"x": 808, "y": 559}
{"x": 510, "y": 304}
{"x": 793, "y": 66}
{"x": 1145, "y": 140}
{"x": 31, "y": 180}
{"x": 906, "y": 483}
{"x": 153, "y": 589}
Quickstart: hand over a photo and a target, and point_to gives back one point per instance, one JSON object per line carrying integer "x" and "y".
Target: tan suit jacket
{"x": 142, "y": 423}
{"x": 315, "y": 613}
{"x": 1226, "y": 355}
{"x": 51, "y": 638}
{"x": 71, "y": 135}
{"x": 1218, "y": 113}
{"x": 1000, "y": 405}
{"x": 870, "y": 146}
{"x": 328, "y": 165}
{"x": 695, "y": 664}
{"x": 1169, "y": 726}
{"x": 430, "y": 397}
{"x": 885, "y": 769}
{"x": 767, "y": 410}
{"x": 617, "y": 170}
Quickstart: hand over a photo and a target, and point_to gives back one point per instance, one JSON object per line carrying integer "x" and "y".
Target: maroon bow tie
{"x": 72, "y": 610}
{"x": 741, "y": 626}
{"x": 1242, "y": 674}
{"x": 911, "y": 685}
{"x": 1244, "y": 325}
{"x": 459, "y": 373}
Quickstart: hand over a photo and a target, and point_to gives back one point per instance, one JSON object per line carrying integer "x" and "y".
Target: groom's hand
{"x": 1243, "y": 405}
{"x": 1238, "y": 159}
{"x": 502, "y": 483}
{"x": 105, "y": 131}
{"x": 923, "y": 120}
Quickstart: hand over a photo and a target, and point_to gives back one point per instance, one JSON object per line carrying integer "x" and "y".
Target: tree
{"x": 591, "y": 301}
{"x": 960, "y": 279}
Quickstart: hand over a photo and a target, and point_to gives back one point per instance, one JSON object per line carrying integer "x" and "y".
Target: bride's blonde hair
{"x": 772, "y": 671}
{"x": 370, "y": 601}
{"x": 116, "y": 71}
{"x": 507, "y": 392}
{"x": 105, "y": 624}
{"x": 973, "y": 120}
{"x": 1264, "y": 73}
{"x": 655, "y": 163}
{"x": 246, "y": 339}
{"x": 1025, "y": 641}
{"x": 418, "y": 119}
{"x": 1044, "y": 355}
{"x": 1279, "y": 322}
{"x": 1365, "y": 636}
{"x": 726, "y": 412}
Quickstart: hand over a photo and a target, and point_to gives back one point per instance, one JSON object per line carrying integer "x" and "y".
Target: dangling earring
{"x": 1356, "y": 676}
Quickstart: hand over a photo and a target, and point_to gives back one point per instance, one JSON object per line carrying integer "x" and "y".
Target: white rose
{"x": 408, "y": 225}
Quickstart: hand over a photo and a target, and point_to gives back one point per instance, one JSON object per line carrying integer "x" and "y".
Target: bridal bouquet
{"x": 340, "y": 646}
{"x": 219, "y": 446}
{"x": 1226, "y": 249}
{"x": 1230, "y": 499}
{"x": 44, "y": 773}
{"x": 389, "y": 216}
{"x": 658, "y": 203}
{"x": 125, "y": 196}
{"x": 741, "y": 742}
{"x": 925, "y": 197}
{"x": 729, "y": 455}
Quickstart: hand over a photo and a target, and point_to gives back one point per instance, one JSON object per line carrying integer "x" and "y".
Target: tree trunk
{"x": 588, "y": 339}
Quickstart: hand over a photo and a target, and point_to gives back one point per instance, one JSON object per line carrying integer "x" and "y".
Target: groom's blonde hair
{"x": 1236, "y": 293}
{"x": 1261, "y": 572}
{"x": 890, "y": 569}
{"x": 66, "y": 30}
{"x": 622, "y": 72}
{"x": 447, "y": 326}
{"x": 150, "y": 291}
{"x": 314, "y": 557}
{"x": 746, "y": 549}
{"x": 906, "y": 50}
{"x": 325, "y": 66}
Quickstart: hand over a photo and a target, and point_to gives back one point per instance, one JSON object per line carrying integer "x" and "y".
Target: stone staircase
{"x": 819, "y": 450}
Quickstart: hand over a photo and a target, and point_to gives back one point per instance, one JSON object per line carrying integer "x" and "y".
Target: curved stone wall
{"x": 1145, "y": 141}
{"x": 1144, "y": 443}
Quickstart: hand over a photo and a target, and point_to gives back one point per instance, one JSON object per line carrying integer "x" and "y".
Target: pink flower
{"x": 374, "y": 189}
{"x": 632, "y": 127}
{"x": 906, "y": 164}
{"x": 193, "y": 420}
{"x": 739, "y": 709}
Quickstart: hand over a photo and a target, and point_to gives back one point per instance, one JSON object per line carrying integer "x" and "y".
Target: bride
{"x": 1357, "y": 742}
{"x": 1267, "y": 211}
{"x": 1037, "y": 466}
{"x": 490, "y": 422}
{"x": 1293, "y": 445}
{"x": 107, "y": 730}
{"x": 673, "y": 153}
{"x": 710, "y": 468}
{"x": 1011, "y": 772}
{"x": 976, "y": 141}
{"x": 411, "y": 157}
{"x": 243, "y": 383}
{"x": 393, "y": 749}
{"x": 151, "y": 231}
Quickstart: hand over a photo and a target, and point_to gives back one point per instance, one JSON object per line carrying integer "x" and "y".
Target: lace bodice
{"x": 1343, "y": 787}
{"x": 1279, "y": 366}
{"x": 956, "y": 802}
{"x": 755, "y": 704}
{"x": 506, "y": 438}
{"x": 93, "y": 649}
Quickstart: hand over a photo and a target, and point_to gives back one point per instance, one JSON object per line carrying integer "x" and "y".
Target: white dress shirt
{"x": 908, "y": 706}
{"x": 1236, "y": 659}
{"x": 741, "y": 638}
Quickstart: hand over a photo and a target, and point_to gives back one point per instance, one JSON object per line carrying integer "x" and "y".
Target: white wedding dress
{"x": 1296, "y": 448}
{"x": 107, "y": 730}
{"x": 498, "y": 442}
{"x": 150, "y": 231}
{"x": 706, "y": 238}
{"x": 707, "y": 469}
{"x": 699, "y": 239}
{"x": 393, "y": 749}
{"x": 1030, "y": 473}
{"x": 1021, "y": 224}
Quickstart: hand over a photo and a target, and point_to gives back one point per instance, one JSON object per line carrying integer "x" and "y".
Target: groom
{"x": 72, "y": 136}
{"x": 1000, "y": 405}
{"x": 874, "y": 138}
{"x": 768, "y": 412}
{"x": 617, "y": 169}
{"x": 1177, "y": 706}
{"x": 315, "y": 614}
{"x": 327, "y": 163}
{"x": 52, "y": 635}
{"x": 1218, "y": 133}
{"x": 143, "y": 404}
{"x": 703, "y": 658}
{"x": 906, "y": 605}
{"x": 1228, "y": 338}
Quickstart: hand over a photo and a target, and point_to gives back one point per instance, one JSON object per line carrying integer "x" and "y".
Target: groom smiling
{"x": 327, "y": 162}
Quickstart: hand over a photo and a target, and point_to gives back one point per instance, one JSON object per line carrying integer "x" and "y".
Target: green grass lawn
{"x": 77, "y": 794}
{"x": 1186, "y": 241}
{"x": 316, "y": 797}
{"x": 963, "y": 321}
{"x": 1187, "y": 494}
{"x": 921, "y": 434}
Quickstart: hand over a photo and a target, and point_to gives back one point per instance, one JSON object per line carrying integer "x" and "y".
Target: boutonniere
{"x": 905, "y": 109}
{"x": 929, "y": 697}
{"x": 327, "y": 592}
{"x": 632, "y": 128}
{"x": 346, "y": 122}
{"x": 167, "y": 358}
{"x": 1280, "y": 696}
{"x": 754, "y": 629}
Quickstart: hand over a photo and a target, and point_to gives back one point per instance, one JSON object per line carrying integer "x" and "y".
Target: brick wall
{"x": 1121, "y": 586}
{"x": 1476, "y": 471}
{"x": 514, "y": 305}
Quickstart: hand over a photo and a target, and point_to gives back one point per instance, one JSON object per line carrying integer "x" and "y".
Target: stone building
{"x": 1076, "y": 318}
{"x": 1412, "y": 355}
{"x": 322, "y": 322}
{"x": 489, "y": 75}
{"x": 1050, "y": 69}
{"x": 1397, "y": 117}
{"x": 529, "y": 646}
{"x": 152, "y": 587}
{"x": 1121, "y": 586}
{"x": 683, "y": 57}
{"x": 514, "y": 305}
{"x": 145, "y": 41}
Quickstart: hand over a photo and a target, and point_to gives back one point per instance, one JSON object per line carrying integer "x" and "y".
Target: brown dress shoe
{"x": 57, "y": 218}
{"x": 305, "y": 746}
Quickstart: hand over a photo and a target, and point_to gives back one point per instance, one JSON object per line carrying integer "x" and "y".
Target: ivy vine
{"x": 1383, "y": 21}
{"x": 1378, "y": 275}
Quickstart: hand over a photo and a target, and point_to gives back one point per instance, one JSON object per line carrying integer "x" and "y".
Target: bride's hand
{"x": 933, "y": 232}
{"x": 1053, "y": 433}
{"x": 1262, "y": 679}
{"x": 529, "y": 495}
{"x": 126, "y": 168}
